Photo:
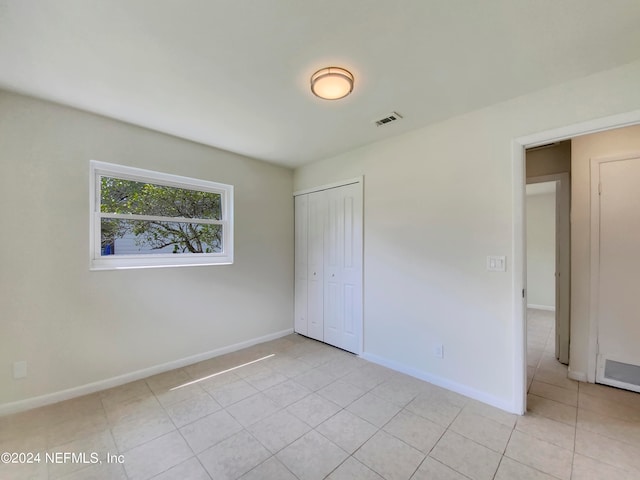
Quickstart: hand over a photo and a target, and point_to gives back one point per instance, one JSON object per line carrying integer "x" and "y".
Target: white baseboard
{"x": 578, "y": 376}
{"x": 55, "y": 397}
{"x": 541, "y": 307}
{"x": 442, "y": 382}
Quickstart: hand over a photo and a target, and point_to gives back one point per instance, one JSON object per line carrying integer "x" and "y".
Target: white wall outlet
{"x": 496, "y": 263}
{"x": 20, "y": 369}
{"x": 438, "y": 351}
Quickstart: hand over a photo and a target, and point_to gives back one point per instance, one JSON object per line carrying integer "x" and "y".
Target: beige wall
{"x": 541, "y": 250}
{"x": 549, "y": 160}
{"x": 74, "y": 326}
{"x": 438, "y": 200}
{"x": 605, "y": 144}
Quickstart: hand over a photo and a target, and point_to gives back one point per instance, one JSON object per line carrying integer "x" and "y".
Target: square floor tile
{"x": 253, "y": 409}
{"x": 314, "y": 379}
{"x": 264, "y": 380}
{"x": 156, "y": 456}
{"x": 313, "y": 409}
{"x": 191, "y": 469}
{"x": 466, "y": 456}
{"x": 286, "y": 393}
{"x": 374, "y": 409}
{"x": 482, "y": 430}
{"x": 104, "y": 471}
{"x": 436, "y": 408}
{"x": 493, "y": 413}
{"x": 233, "y": 392}
{"x": 432, "y": 469}
{"x": 352, "y": 469}
{"x": 347, "y": 430}
{"x": 612, "y": 427}
{"x": 101, "y": 443}
{"x": 511, "y": 470}
{"x": 312, "y": 457}
{"x": 548, "y": 430}
{"x": 210, "y": 430}
{"x": 389, "y": 457}
{"x": 341, "y": 393}
{"x": 586, "y": 468}
{"x": 399, "y": 389}
{"x": 539, "y": 454}
{"x": 553, "y": 392}
{"x": 271, "y": 469}
{"x": 609, "y": 407}
{"x": 552, "y": 409}
{"x": 278, "y": 430}
{"x": 608, "y": 450}
{"x": 140, "y": 430}
{"x": 368, "y": 376}
{"x": 192, "y": 409}
{"x": 420, "y": 433}
{"x": 233, "y": 457}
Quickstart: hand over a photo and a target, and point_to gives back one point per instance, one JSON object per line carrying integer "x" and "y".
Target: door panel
{"x": 619, "y": 264}
{"x": 315, "y": 265}
{"x": 343, "y": 268}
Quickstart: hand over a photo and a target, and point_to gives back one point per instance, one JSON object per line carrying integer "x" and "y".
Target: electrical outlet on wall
{"x": 438, "y": 351}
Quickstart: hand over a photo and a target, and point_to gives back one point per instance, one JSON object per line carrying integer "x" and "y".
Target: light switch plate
{"x": 496, "y": 263}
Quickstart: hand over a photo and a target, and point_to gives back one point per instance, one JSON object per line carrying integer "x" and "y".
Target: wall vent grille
{"x": 392, "y": 117}
{"x": 622, "y": 372}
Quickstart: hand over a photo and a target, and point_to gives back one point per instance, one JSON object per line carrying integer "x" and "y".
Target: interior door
{"x": 343, "y": 268}
{"x": 618, "y": 299}
{"x": 563, "y": 267}
{"x": 315, "y": 264}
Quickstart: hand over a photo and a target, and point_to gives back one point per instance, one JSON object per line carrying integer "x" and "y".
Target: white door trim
{"x": 518, "y": 279}
{"x": 339, "y": 183}
{"x": 594, "y": 170}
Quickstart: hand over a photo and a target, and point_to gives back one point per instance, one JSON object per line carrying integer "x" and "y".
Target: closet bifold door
{"x": 328, "y": 266}
{"x": 343, "y": 267}
{"x": 315, "y": 264}
{"x": 301, "y": 209}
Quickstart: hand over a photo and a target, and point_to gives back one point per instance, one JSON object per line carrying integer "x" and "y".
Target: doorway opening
{"x": 587, "y": 315}
{"x": 548, "y": 231}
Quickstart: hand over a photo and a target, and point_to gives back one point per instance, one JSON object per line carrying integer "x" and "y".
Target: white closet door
{"x": 343, "y": 268}
{"x": 619, "y": 282}
{"x": 301, "y": 275}
{"x": 315, "y": 265}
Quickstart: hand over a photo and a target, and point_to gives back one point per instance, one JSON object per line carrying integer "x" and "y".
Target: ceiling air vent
{"x": 388, "y": 119}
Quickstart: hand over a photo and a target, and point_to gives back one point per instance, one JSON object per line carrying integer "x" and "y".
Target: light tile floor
{"x": 310, "y": 411}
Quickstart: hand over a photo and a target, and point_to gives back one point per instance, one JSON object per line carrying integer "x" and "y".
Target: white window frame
{"x": 115, "y": 262}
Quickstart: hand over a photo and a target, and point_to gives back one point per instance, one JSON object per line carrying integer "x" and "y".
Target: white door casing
{"x": 300, "y": 264}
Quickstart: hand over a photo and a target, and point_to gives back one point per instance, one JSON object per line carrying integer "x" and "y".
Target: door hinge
{"x": 523, "y": 293}
{"x": 599, "y": 188}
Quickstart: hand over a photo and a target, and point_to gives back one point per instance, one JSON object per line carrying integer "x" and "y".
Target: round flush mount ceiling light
{"x": 332, "y": 83}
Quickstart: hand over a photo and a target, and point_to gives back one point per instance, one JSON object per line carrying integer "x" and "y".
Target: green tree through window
{"x": 152, "y": 206}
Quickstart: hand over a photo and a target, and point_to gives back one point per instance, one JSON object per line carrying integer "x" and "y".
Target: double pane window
{"x": 142, "y": 218}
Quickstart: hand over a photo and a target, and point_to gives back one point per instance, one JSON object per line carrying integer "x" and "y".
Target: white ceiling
{"x": 235, "y": 73}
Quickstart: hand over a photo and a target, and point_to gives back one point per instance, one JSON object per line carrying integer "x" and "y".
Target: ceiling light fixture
{"x": 332, "y": 83}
